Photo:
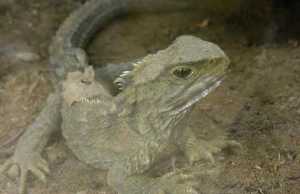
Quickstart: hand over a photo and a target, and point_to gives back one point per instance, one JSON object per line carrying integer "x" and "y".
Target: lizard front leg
{"x": 27, "y": 157}
{"x": 197, "y": 149}
{"x": 179, "y": 183}
{"x": 129, "y": 176}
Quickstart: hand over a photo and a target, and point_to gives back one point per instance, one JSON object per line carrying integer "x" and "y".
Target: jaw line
{"x": 198, "y": 97}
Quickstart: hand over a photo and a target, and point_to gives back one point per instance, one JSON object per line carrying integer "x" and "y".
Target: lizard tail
{"x": 66, "y": 50}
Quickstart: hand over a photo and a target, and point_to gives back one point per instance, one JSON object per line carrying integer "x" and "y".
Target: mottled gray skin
{"x": 129, "y": 132}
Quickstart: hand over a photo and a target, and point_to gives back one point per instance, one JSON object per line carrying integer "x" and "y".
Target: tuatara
{"x": 128, "y": 129}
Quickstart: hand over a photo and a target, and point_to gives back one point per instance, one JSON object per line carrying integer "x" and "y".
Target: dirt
{"x": 258, "y": 105}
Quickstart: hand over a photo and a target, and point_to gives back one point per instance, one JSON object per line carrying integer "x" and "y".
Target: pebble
{"x": 18, "y": 52}
{"x": 56, "y": 154}
{"x": 27, "y": 56}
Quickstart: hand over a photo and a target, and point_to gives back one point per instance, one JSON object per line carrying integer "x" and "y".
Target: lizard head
{"x": 176, "y": 78}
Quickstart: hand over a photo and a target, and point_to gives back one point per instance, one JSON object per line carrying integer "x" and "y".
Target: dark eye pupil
{"x": 182, "y": 72}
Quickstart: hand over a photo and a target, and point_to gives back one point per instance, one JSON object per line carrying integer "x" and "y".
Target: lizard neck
{"x": 145, "y": 110}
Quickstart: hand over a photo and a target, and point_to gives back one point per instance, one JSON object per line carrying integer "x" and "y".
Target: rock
{"x": 17, "y": 51}
{"x": 56, "y": 153}
{"x": 27, "y": 56}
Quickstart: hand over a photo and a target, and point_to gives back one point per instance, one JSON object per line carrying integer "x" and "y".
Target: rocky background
{"x": 258, "y": 104}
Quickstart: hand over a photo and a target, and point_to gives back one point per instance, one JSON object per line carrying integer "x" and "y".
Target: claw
{"x": 35, "y": 164}
{"x": 44, "y": 162}
{"x": 235, "y": 144}
{"x": 39, "y": 174}
{"x": 215, "y": 148}
{"x": 186, "y": 189}
{"x": 181, "y": 175}
{"x": 200, "y": 152}
{"x": 23, "y": 181}
{"x": 209, "y": 156}
{"x": 44, "y": 167}
{"x": 192, "y": 191}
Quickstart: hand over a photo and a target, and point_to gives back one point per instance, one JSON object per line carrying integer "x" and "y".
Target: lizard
{"x": 128, "y": 131}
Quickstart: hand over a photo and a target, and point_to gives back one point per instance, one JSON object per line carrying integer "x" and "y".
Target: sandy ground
{"x": 258, "y": 104}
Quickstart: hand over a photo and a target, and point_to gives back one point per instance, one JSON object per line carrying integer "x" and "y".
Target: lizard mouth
{"x": 196, "y": 93}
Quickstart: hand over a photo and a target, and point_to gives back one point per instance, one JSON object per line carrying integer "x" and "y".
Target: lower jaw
{"x": 198, "y": 97}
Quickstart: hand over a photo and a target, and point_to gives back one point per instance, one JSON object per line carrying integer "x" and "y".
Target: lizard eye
{"x": 182, "y": 72}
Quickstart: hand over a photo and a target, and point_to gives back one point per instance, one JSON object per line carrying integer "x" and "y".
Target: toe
{"x": 193, "y": 158}
{"x": 209, "y": 156}
{"x": 160, "y": 191}
{"x": 215, "y": 148}
{"x": 14, "y": 171}
{"x": 44, "y": 167}
{"x": 185, "y": 189}
{"x": 44, "y": 162}
{"x": 234, "y": 144}
{"x": 39, "y": 174}
{"x": 6, "y": 166}
{"x": 23, "y": 181}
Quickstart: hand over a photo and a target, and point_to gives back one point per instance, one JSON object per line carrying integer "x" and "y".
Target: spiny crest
{"x": 185, "y": 49}
{"x": 126, "y": 77}
{"x": 123, "y": 79}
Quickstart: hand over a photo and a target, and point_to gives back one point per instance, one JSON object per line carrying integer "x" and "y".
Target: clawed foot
{"x": 183, "y": 181}
{"x": 185, "y": 188}
{"x": 205, "y": 150}
{"x": 177, "y": 189}
{"x": 170, "y": 187}
{"x": 21, "y": 164}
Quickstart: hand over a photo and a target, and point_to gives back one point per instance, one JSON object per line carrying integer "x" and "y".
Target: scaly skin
{"x": 156, "y": 95}
{"x": 160, "y": 92}
{"x": 66, "y": 52}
